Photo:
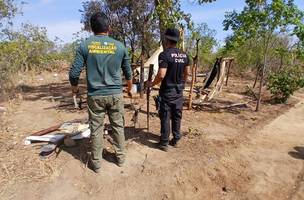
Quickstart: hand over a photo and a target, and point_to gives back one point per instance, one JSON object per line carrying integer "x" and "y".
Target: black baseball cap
{"x": 172, "y": 34}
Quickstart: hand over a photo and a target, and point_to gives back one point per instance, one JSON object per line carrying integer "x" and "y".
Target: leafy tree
{"x": 207, "y": 43}
{"x": 25, "y": 48}
{"x": 131, "y": 21}
{"x": 8, "y": 9}
{"x": 130, "y": 18}
{"x": 260, "y": 20}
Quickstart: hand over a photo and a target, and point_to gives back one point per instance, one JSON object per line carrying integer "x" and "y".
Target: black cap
{"x": 172, "y": 34}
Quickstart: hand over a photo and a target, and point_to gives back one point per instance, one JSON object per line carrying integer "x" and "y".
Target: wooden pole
{"x": 192, "y": 86}
{"x": 194, "y": 66}
{"x": 228, "y": 72}
{"x": 151, "y": 70}
{"x": 54, "y": 128}
{"x": 142, "y": 76}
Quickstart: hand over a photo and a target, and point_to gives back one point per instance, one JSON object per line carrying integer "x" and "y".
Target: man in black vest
{"x": 172, "y": 73}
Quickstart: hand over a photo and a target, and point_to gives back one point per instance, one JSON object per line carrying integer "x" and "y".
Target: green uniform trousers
{"x": 98, "y": 106}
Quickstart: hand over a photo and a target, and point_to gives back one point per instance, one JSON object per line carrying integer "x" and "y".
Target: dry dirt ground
{"x": 225, "y": 154}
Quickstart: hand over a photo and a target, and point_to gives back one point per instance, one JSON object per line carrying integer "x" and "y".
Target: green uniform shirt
{"x": 104, "y": 59}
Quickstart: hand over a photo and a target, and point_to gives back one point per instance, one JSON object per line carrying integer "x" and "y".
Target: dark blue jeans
{"x": 171, "y": 107}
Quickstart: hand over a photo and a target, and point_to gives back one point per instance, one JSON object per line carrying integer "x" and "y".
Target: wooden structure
{"x": 148, "y": 95}
{"x": 220, "y": 72}
{"x": 193, "y": 75}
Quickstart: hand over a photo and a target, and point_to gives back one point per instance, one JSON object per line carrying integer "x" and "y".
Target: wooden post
{"x": 228, "y": 71}
{"x": 142, "y": 76}
{"x": 194, "y": 66}
{"x": 192, "y": 86}
{"x": 151, "y": 70}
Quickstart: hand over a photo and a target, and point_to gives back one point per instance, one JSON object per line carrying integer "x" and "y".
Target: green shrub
{"x": 29, "y": 49}
{"x": 283, "y": 83}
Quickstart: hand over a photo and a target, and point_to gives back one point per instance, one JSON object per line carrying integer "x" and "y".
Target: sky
{"x": 62, "y": 17}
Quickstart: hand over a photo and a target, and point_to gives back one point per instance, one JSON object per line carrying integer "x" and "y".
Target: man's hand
{"x": 75, "y": 89}
{"x": 148, "y": 84}
{"x": 129, "y": 87}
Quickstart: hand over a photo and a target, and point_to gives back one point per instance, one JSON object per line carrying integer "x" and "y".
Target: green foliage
{"x": 283, "y": 83}
{"x": 27, "y": 49}
{"x": 206, "y": 44}
{"x": 131, "y": 22}
{"x": 170, "y": 14}
{"x": 260, "y": 19}
{"x": 140, "y": 24}
{"x": 263, "y": 35}
{"x": 8, "y": 9}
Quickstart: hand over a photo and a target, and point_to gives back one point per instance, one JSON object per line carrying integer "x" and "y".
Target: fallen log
{"x": 239, "y": 105}
{"x": 217, "y": 107}
{"x": 54, "y": 128}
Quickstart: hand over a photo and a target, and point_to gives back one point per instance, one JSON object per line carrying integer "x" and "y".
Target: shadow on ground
{"x": 59, "y": 93}
{"x": 82, "y": 148}
{"x": 298, "y": 153}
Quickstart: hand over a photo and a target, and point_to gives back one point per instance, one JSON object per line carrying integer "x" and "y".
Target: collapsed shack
{"x": 215, "y": 79}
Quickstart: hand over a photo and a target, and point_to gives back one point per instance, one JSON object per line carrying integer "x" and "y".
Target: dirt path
{"x": 269, "y": 165}
{"x": 276, "y": 156}
{"x": 224, "y": 155}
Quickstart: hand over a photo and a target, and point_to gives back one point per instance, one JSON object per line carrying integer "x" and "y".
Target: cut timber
{"x": 220, "y": 82}
{"x": 238, "y": 105}
{"x": 228, "y": 71}
{"x": 54, "y": 128}
{"x": 44, "y": 138}
{"x": 217, "y": 107}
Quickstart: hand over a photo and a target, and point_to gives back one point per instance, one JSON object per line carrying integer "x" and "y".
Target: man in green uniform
{"x": 103, "y": 58}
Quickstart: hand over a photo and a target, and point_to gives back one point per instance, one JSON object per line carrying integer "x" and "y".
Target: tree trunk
{"x": 132, "y": 51}
{"x": 260, "y": 88}
{"x": 262, "y": 78}
{"x": 258, "y": 66}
